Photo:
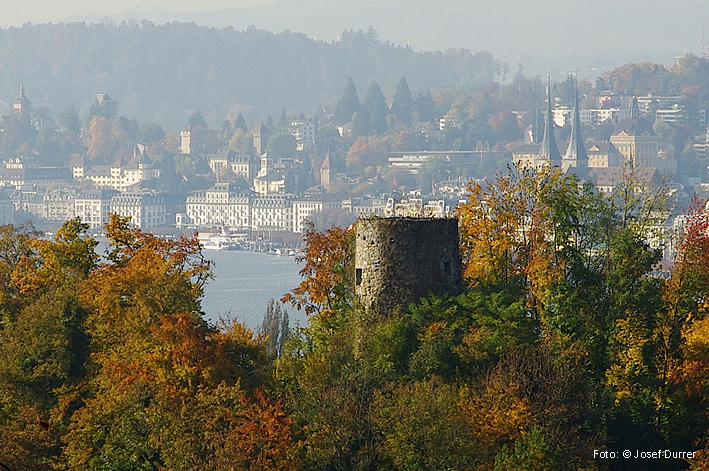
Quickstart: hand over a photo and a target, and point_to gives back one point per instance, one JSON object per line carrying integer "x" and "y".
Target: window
{"x": 358, "y": 276}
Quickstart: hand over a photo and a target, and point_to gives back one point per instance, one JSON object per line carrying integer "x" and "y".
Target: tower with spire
{"x": 635, "y": 139}
{"x": 549, "y": 152}
{"x": 326, "y": 172}
{"x": 21, "y": 105}
{"x": 576, "y": 155}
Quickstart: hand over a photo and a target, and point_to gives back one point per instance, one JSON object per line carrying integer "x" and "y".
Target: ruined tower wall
{"x": 400, "y": 260}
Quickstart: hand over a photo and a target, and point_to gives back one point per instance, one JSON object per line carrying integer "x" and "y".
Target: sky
{"x": 562, "y": 35}
{"x": 16, "y": 13}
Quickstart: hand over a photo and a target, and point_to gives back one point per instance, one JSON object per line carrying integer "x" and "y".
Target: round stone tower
{"x": 400, "y": 260}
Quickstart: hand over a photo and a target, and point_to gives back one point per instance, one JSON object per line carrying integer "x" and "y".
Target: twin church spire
{"x": 549, "y": 150}
{"x": 575, "y": 155}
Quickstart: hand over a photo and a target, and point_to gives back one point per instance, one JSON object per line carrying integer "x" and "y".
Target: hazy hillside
{"x": 163, "y": 73}
{"x": 561, "y": 35}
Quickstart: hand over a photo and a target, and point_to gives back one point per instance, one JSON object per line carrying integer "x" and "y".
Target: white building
{"x": 272, "y": 213}
{"x": 303, "y": 208}
{"x": 7, "y": 209}
{"x": 272, "y": 184}
{"x": 92, "y": 207}
{"x": 220, "y": 205}
{"x": 241, "y": 165}
{"x": 304, "y": 133}
{"x": 120, "y": 175}
{"x": 590, "y": 117}
{"x": 58, "y": 204}
{"x": 147, "y": 210}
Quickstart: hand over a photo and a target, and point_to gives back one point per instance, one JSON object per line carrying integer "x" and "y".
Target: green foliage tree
{"x": 275, "y": 326}
{"x": 370, "y": 117}
{"x": 348, "y": 103}
{"x": 281, "y": 145}
{"x": 402, "y": 105}
{"x": 240, "y": 122}
{"x": 149, "y": 133}
{"x": 425, "y": 108}
{"x": 424, "y": 429}
{"x": 197, "y": 119}
{"x": 530, "y": 452}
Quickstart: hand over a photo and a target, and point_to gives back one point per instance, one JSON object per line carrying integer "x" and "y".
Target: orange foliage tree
{"x": 327, "y": 271}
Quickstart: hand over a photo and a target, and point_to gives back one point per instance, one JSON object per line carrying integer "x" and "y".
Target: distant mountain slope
{"x": 563, "y": 35}
{"x": 163, "y": 72}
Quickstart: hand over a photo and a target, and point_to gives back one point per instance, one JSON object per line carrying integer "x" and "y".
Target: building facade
{"x": 221, "y": 205}
{"x": 92, "y": 207}
{"x": 146, "y": 210}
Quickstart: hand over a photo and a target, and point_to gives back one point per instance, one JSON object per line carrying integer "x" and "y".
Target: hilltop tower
{"x": 326, "y": 172}
{"x": 186, "y": 140}
{"x": 21, "y": 106}
{"x": 549, "y": 153}
{"x": 261, "y": 134}
{"x": 400, "y": 260}
{"x": 576, "y": 155}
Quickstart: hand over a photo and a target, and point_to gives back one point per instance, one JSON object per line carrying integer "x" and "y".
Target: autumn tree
{"x": 44, "y": 343}
{"x": 327, "y": 271}
{"x": 104, "y": 138}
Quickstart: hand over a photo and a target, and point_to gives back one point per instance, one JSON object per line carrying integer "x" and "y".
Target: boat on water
{"x": 220, "y": 241}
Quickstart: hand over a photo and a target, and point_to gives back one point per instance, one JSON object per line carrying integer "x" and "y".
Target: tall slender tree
{"x": 347, "y": 104}
{"x": 402, "y": 105}
{"x": 376, "y": 107}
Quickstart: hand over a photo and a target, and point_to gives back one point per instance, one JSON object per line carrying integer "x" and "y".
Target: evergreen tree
{"x": 425, "y": 108}
{"x": 360, "y": 122}
{"x": 197, "y": 119}
{"x": 375, "y": 105}
{"x": 70, "y": 120}
{"x": 240, "y": 122}
{"x": 347, "y": 104}
{"x": 402, "y": 105}
{"x": 226, "y": 128}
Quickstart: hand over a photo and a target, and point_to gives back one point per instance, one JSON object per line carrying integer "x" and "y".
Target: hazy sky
{"x": 564, "y": 34}
{"x": 16, "y": 13}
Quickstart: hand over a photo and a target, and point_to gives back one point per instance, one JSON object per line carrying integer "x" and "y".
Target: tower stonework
{"x": 400, "y": 260}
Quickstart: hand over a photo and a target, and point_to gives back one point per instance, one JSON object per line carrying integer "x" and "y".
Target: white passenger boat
{"x": 219, "y": 241}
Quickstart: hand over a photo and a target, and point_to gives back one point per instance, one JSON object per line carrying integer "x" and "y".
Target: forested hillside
{"x": 568, "y": 340}
{"x": 161, "y": 73}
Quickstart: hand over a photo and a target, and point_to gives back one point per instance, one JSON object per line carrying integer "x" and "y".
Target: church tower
{"x": 261, "y": 134}
{"x": 549, "y": 153}
{"x": 635, "y": 139}
{"x": 326, "y": 172}
{"x": 21, "y": 106}
{"x": 576, "y": 155}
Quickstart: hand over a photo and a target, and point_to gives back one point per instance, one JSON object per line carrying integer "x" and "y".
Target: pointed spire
{"x": 634, "y": 109}
{"x": 549, "y": 150}
{"x": 576, "y": 155}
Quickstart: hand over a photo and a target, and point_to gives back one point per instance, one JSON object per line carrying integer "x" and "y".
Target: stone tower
{"x": 186, "y": 141}
{"x": 400, "y": 260}
{"x": 22, "y": 104}
{"x": 326, "y": 173}
{"x": 261, "y": 134}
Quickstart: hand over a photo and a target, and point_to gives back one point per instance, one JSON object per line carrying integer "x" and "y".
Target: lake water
{"x": 245, "y": 281}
